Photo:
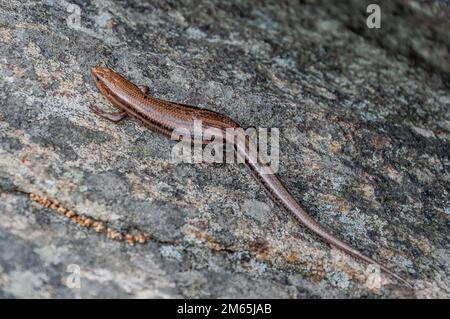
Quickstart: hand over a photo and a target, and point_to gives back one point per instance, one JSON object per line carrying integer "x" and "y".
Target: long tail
{"x": 282, "y": 196}
{"x": 321, "y": 232}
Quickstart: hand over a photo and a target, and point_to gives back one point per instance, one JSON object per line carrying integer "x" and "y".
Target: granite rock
{"x": 364, "y": 145}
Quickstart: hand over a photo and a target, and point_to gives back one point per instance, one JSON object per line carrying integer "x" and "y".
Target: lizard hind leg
{"x": 111, "y": 116}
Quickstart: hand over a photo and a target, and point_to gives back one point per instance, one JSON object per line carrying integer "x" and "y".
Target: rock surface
{"x": 364, "y": 144}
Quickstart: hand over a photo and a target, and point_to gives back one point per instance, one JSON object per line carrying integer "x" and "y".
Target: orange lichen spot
{"x": 130, "y": 239}
{"x": 292, "y": 258}
{"x": 88, "y": 222}
{"x": 140, "y": 239}
{"x": 81, "y": 219}
{"x": 70, "y": 214}
{"x": 98, "y": 227}
{"x": 61, "y": 210}
{"x": 114, "y": 234}
{"x": 74, "y": 219}
{"x": 209, "y": 240}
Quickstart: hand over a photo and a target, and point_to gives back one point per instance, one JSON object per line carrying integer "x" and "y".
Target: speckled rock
{"x": 364, "y": 144}
{"x": 415, "y": 29}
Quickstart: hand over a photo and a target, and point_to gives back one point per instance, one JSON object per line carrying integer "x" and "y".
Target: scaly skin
{"x": 164, "y": 116}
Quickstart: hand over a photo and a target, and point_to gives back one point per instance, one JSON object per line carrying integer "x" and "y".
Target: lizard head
{"x": 101, "y": 75}
{"x": 108, "y": 81}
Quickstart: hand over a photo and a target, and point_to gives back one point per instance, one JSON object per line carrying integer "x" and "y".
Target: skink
{"x": 164, "y": 117}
